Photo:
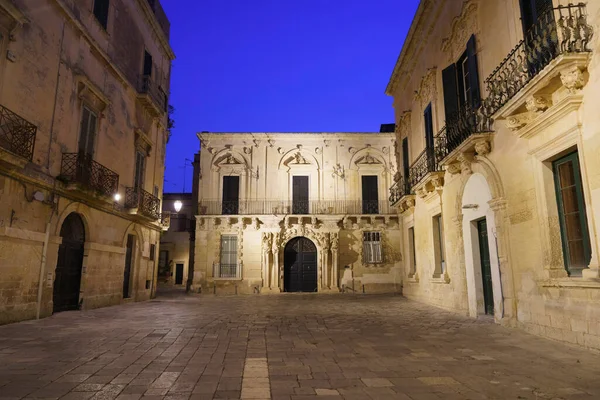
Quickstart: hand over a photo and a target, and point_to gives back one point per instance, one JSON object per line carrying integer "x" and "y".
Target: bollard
{"x": 363, "y": 289}
{"x": 236, "y": 290}
{"x": 214, "y": 288}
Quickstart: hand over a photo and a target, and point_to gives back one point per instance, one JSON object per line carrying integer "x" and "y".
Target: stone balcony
{"x": 17, "y": 138}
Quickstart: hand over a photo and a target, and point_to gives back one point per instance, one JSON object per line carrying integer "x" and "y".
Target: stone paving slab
{"x": 288, "y": 347}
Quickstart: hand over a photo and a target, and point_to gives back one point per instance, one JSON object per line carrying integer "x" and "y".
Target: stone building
{"x": 499, "y": 136}
{"x": 84, "y": 90}
{"x": 173, "y": 259}
{"x": 296, "y": 212}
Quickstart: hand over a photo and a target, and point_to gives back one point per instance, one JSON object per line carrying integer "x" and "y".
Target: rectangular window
{"x": 372, "y": 248}
{"x": 140, "y": 169}
{"x": 405, "y": 165}
{"x": 572, "y": 214}
{"x": 438, "y": 243}
{"x": 370, "y": 195}
{"x": 231, "y": 195}
{"x": 152, "y": 252}
{"x": 228, "y": 266}
{"x": 429, "y": 140}
{"x": 300, "y": 195}
{"x": 87, "y": 131}
{"x": 412, "y": 256}
{"x": 147, "y": 71}
{"x": 101, "y": 8}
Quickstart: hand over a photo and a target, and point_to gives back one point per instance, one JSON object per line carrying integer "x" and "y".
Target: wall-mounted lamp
{"x": 39, "y": 196}
{"x": 470, "y": 206}
{"x": 117, "y": 197}
{"x": 177, "y": 205}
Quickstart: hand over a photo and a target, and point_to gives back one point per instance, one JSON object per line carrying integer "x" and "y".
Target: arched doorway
{"x": 484, "y": 289}
{"x": 67, "y": 277}
{"x": 300, "y": 266}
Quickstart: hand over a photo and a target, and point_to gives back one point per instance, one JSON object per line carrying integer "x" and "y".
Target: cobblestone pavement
{"x": 286, "y": 347}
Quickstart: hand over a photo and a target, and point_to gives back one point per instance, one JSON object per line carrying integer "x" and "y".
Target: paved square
{"x": 285, "y": 347}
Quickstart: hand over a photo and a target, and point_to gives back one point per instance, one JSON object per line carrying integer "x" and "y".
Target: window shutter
{"x": 405, "y": 161}
{"x": 473, "y": 72}
{"x": 450, "y": 91}
{"x": 84, "y": 129}
{"x": 428, "y": 116}
{"x": 91, "y": 138}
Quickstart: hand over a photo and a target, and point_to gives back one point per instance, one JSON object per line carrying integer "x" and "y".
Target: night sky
{"x": 279, "y": 66}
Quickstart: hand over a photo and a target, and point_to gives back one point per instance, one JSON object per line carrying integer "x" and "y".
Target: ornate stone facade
{"x": 334, "y": 217}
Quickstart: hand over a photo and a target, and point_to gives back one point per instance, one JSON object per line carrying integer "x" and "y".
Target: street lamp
{"x": 178, "y": 204}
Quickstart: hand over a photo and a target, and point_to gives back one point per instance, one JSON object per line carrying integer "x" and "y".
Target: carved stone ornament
{"x": 437, "y": 182}
{"x": 385, "y": 150}
{"x": 537, "y": 104}
{"x": 247, "y": 150}
{"x": 454, "y": 168}
{"x": 327, "y": 142}
{"x": 482, "y": 147}
{"x": 572, "y": 79}
{"x": 465, "y": 160}
{"x": 422, "y": 192}
{"x": 517, "y": 121}
{"x": 271, "y": 142}
{"x": 318, "y": 150}
{"x": 352, "y": 150}
{"x": 280, "y": 150}
{"x": 299, "y": 159}
{"x": 427, "y": 88}
{"x": 463, "y": 26}
{"x": 256, "y": 142}
{"x": 368, "y": 159}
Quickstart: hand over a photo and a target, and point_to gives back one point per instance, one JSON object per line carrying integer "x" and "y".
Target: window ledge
{"x": 578, "y": 282}
{"x": 413, "y": 278}
{"x": 227, "y": 279}
{"x": 440, "y": 278}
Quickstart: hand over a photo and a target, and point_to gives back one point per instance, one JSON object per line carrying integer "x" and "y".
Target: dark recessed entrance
{"x": 67, "y": 277}
{"x": 300, "y": 266}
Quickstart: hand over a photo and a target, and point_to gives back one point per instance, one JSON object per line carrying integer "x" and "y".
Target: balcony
{"x": 401, "y": 195}
{"x": 165, "y": 221}
{"x": 142, "y": 203}
{"x": 288, "y": 207}
{"x": 466, "y": 133}
{"x": 84, "y": 173}
{"x": 426, "y": 174}
{"x": 544, "y": 68}
{"x": 151, "y": 96}
{"x": 17, "y": 135}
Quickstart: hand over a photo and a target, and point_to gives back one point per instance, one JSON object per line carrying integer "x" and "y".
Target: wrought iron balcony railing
{"x": 425, "y": 163}
{"x": 266, "y": 207}
{"x": 150, "y": 87}
{"x": 17, "y": 135}
{"x": 459, "y": 127}
{"x": 559, "y": 30}
{"x": 399, "y": 190}
{"x": 147, "y": 204}
{"x": 81, "y": 168}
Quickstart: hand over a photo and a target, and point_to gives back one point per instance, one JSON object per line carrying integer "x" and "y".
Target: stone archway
{"x": 67, "y": 277}
{"x": 300, "y": 266}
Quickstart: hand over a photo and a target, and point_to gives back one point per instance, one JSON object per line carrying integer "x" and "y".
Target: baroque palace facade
{"x": 296, "y": 212}
{"x": 499, "y": 185}
{"x": 83, "y": 114}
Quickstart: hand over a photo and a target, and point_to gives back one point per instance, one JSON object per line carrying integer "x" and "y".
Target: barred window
{"x": 228, "y": 264}
{"x": 372, "y": 248}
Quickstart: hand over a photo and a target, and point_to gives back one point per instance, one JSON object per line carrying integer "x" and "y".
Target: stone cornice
{"x": 264, "y": 137}
{"x": 421, "y": 28}
{"x": 162, "y": 38}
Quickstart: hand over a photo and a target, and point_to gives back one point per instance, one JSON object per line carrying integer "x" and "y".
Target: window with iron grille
{"x": 228, "y": 265}
{"x": 101, "y": 8}
{"x": 372, "y": 248}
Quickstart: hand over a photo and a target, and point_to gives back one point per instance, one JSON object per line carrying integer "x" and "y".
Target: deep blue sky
{"x": 279, "y": 66}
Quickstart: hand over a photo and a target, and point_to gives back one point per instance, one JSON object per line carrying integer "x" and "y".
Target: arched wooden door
{"x": 67, "y": 278}
{"x": 300, "y": 266}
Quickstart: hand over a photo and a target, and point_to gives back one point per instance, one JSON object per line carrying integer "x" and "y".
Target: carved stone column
{"x": 275, "y": 270}
{"x": 334, "y": 261}
{"x": 266, "y": 250}
{"x": 325, "y": 247}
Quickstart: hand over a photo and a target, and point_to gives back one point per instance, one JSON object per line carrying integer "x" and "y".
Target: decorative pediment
{"x": 368, "y": 159}
{"x": 403, "y": 125}
{"x": 463, "y": 27}
{"x": 427, "y": 88}
{"x": 228, "y": 159}
{"x": 142, "y": 142}
{"x": 91, "y": 94}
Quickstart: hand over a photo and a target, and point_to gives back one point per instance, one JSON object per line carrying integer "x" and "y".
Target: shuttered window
{"x": 231, "y": 195}
{"x": 140, "y": 170}
{"x": 372, "y": 248}
{"x": 101, "y": 8}
{"x": 87, "y": 131}
{"x": 370, "y": 195}
{"x": 461, "y": 82}
{"x": 300, "y": 195}
{"x": 531, "y": 11}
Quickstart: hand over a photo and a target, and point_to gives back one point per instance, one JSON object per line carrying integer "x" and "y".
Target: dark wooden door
{"x": 128, "y": 262}
{"x": 300, "y": 266}
{"x": 300, "y": 195}
{"x": 231, "y": 195}
{"x": 486, "y": 270}
{"x": 67, "y": 277}
{"x": 537, "y": 18}
{"x": 370, "y": 195}
{"x": 179, "y": 274}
